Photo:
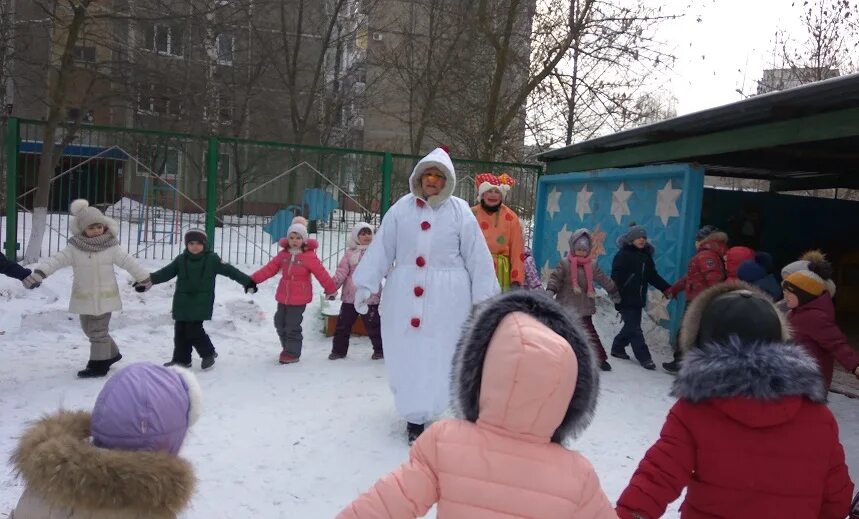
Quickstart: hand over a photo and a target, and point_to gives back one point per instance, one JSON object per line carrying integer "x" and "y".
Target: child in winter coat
{"x": 759, "y": 272}
{"x": 751, "y": 435}
{"x": 812, "y": 318}
{"x": 706, "y": 268}
{"x": 572, "y": 285}
{"x": 196, "y": 270}
{"x": 360, "y": 238}
{"x": 118, "y": 462}
{"x": 532, "y": 275}
{"x": 12, "y": 269}
{"x": 92, "y": 252}
{"x": 632, "y": 271}
{"x": 524, "y": 380}
{"x": 296, "y": 263}
{"x": 734, "y": 257}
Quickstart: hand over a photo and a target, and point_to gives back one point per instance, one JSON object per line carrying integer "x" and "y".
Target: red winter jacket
{"x": 706, "y": 268}
{"x": 750, "y": 438}
{"x": 296, "y": 287}
{"x": 814, "y": 327}
{"x": 734, "y": 257}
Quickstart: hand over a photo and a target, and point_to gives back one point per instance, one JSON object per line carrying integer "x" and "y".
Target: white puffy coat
{"x": 94, "y": 287}
{"x": 441, "y": 267}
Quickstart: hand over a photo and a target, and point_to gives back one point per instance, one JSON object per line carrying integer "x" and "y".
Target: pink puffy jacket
{"x": 504, "y": 458}
{"x": 296, "y": 287}
{"x": 343, "y": 276}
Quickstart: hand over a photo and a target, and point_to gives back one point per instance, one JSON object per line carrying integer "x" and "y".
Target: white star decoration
{"x": 666, "y": 202}
{"x": 583, "y": 202}
{"x": 657, "y": 306}
{"x": 553, "y": 205}
{"x": 620, "y": 202}
{"x": 564, "y": 240}
{"x": 545, "y": 272}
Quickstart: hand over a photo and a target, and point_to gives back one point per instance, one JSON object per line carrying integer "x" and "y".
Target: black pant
{"x": 631, "y": 334}
{"x": 190, "y": 334}
{"x": 348, "y": 316}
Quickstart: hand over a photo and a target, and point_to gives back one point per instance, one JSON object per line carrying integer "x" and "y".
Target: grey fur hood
{"x": 529, "y": 365}
{"x": 760, "y": 371}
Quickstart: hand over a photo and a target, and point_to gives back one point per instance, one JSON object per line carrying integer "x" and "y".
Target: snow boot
{"x": 95, "y": 369}
{"x": 336, "y": 356}
{"x": 620, "y": 354}
{"x": 414, "y": 430}
{"x": 648, "y": 365}
{"x": 175, "y": 363}
{"x": 671, "y": 367}
{"x": 286, "y": 358}
{"x": 377, "y": 355}
{"x": 111, "y": 362}
{"x": 605, "y": 366}
{"x": 209, "y": 361}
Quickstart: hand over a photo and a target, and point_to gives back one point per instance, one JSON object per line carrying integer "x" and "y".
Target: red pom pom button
{"x": 420, "y": 261}
{"x": 425, "y": 225}
{"x": 416, "y": 322}
{"x": 421, "y": 203}
{"x": 419, "y": 291}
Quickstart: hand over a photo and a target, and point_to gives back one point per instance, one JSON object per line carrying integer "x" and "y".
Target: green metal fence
{"x": 159, "y": 184}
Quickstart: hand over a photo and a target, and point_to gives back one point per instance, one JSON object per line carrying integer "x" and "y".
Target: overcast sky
{"x": 725, "y": 51}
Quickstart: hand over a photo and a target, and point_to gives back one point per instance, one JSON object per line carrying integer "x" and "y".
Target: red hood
{"x": 759, "y": 413}
{"x": 735, "y": 256}
{"x": 309, "y": 245}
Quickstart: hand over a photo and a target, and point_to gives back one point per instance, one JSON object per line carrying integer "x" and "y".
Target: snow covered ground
{"x": 285, "y": 441}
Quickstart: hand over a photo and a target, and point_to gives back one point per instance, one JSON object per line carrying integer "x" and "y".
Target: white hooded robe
{"x": 441, "y": 268}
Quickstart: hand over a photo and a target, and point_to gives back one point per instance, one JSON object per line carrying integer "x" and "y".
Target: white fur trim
{"x": 437, "y": 158}
{"x": 195, "y": 394}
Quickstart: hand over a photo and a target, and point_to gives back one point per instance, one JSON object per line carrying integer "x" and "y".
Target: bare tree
{"x": 827, "y": 47}
{"x": 602, "y": 82}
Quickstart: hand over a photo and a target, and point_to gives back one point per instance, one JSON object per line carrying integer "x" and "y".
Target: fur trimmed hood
{"x": 543, "y": 381}
{"x": 760, "y": 371}
{"x": 691, "y": 325}
{"x": 59, "y": 463}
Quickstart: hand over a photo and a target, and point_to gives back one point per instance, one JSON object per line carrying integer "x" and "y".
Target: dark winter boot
{"x": 620, "y": 354}
{"x": 111, "y": 362}
{"x": 414, "y": 430}
{"x": 648, "y": 365}
{"x": 336, "y": 356}
{"x": 377, "y": 355}
{"x": 180, "y": 364}
{"x": 209, "y": 361}
{"x": 671, "y": 367}
{"x": 605, "y": 366}
{"x": 95, "y": 369}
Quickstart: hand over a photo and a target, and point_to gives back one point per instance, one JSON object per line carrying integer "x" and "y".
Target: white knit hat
{"x": 85, "y": 215}
{"x": 299, "y": 227}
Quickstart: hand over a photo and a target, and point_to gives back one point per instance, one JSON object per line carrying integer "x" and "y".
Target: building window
{"x": 74, "y": 114}
{"x": 164, "y": 39}
{"x": 160, "y": 160}
{"x": 149, "y": 103}
{"x": 84, "y": 53}
{"x": 223, "y": 110}
{"x": 225, "y": 46}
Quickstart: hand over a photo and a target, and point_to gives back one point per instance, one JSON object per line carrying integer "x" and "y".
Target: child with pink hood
{"x": 524, "y": 381}
{"x": 297, "y": 262}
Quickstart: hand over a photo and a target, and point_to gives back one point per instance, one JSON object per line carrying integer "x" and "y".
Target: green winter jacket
{"x": 195, "y": 285}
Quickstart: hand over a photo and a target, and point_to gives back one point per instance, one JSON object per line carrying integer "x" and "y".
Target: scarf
{"x": 97, "y": 244}
{"x": 585, "y": 263}
{"x": 357, "y": 254}
{"x": 488, "y": 209}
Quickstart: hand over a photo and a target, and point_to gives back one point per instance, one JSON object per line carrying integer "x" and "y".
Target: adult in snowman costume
{"x": 441, "y": 268}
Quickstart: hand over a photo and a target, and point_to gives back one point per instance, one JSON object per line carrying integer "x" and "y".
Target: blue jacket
{"x": 12, "y": 269}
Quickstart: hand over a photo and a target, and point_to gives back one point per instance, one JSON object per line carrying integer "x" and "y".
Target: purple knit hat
{"x": 146, "y": 407}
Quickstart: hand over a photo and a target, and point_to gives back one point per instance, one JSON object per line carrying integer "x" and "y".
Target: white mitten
{"x": 33, "y": 280}
{"x": 362, "y": 295}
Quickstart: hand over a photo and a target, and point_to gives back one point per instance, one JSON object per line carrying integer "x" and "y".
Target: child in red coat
{"x": 812, "y": 318}
{"x": 751, "y": 435}
{"x": 296, "y": 262}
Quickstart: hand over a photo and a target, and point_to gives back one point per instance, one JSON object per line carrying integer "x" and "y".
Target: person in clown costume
{"x": 441, "y": 269}
{"x": 501, "y": 229}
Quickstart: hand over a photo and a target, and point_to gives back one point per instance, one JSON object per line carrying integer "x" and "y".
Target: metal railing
{"x": 244, "y": 193}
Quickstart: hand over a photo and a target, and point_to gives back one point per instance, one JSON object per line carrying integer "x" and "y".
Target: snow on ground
{"x": 285, "y": 441}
